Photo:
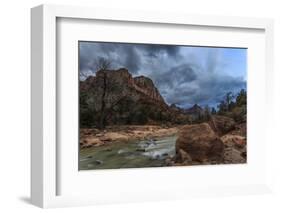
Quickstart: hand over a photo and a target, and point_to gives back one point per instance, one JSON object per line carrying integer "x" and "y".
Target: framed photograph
{"x": 129, "y": 106}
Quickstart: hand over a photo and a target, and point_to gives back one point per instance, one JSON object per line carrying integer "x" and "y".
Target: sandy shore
{"x": 95, "y": 137}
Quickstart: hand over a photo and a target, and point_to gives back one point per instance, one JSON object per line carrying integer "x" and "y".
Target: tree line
{"x": 234, "y": 106}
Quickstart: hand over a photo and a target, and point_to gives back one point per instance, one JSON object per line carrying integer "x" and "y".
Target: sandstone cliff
{"x": 146, "y": 86}
{"x": 115, "y": 97}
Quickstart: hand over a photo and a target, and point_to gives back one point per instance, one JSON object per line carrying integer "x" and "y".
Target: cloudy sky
{"x": 184, "y": 75}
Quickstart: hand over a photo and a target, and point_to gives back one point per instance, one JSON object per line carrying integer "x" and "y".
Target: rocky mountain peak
{"x": 122, "y": 78}
{"x": 115, "y": 96}
{"x": 194, "y": 109}
{"x": 143, "y": 81}
{"x": 146, "y": 86}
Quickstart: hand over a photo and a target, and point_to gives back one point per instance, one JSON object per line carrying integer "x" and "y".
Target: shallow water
{"x": 128, "y": 154}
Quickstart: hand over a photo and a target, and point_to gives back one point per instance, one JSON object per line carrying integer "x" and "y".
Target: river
{"x": 138, "y": 154}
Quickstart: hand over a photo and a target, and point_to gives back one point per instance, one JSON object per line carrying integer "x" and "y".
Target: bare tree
{"x": 107, "y": 86}
{"x": 103, "y": 109}
{"x": 83, "y": 75}
{"x": 102, "y": 63}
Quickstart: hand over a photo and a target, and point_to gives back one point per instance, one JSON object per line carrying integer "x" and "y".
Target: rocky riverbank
{"x": 219, "y": 141}
{"x": 112, "y": 134}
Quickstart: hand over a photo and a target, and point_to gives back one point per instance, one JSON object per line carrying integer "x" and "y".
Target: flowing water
{"x": 146, "y": 153}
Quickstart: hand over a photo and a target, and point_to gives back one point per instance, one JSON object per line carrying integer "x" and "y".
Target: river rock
{"x": 235, "y": 148}
{"x": 221, "y": 124}
{"x": 169, "y": 162}
{"x": 234, "y": 140}
{"x": 234, "y": 156}
{"x": 114, "y": 136}
{"x": 200, "y": 143}
{"x": 98, "y": 162}
{"x": 91, "y": 141}
{"x": 184, "y": 157}
{"x": 140, "y": 150}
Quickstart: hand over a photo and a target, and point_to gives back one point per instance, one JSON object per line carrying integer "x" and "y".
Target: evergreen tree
{"x": 213, "y": 111}
{"x": 241, "y": 98}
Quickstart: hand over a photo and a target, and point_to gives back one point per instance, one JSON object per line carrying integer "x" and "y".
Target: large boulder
{"x": 199, "y": 143}
{"x": 222, "y": 124}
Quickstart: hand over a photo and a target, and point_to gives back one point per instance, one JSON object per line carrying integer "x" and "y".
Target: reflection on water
{"x": 138, "y": 154}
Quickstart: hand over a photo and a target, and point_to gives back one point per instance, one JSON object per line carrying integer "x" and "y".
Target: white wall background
{"x": 15, "y": 104}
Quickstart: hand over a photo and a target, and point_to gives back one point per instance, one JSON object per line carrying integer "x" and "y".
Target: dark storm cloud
{"x": 119, "y": 55}
{"x": 130, "y": 56}
{"x": 183, "y": 75}
{"x": 175, "y": 76}
{"x": 132, "y": 59}
{"x": 208, "y": 91}
{"x": 155, "y": 50}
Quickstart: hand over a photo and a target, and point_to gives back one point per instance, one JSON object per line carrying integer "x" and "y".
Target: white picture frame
{"x": 44, "y": 149}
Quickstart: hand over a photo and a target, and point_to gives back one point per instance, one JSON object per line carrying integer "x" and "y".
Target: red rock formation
{"x": 146, "y": 86}
{"x": 200, "y": 143}
{"x": 115, "y": 97}
{"x": 222, "y": 124}
{"x": 124, "y": 79}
